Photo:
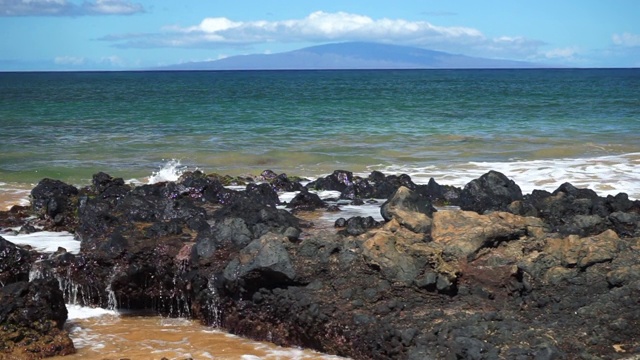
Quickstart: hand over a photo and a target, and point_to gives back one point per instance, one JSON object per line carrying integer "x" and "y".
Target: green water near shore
{"x": 71, "y": 125}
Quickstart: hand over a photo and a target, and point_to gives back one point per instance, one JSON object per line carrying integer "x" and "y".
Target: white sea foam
{"x": 289, "y": 353}
{"x": 170, "y": 171}
{"x": 347, "y": 211}
{"x": 83, "y": 337}
{"x": 46, "y": 241}
{"x": 76, "y": 312}
{"x": 607, "y": 175}
{"x": 323, "y": 194}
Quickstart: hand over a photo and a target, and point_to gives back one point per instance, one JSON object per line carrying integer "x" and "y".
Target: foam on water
{"x": 323, "y": 194}
{"x": 170, "y": 171}
{"x": 274, "y": 353}
{"x": 347, "y": 211}
{"x": 332, "y": 197}
{"x": 606, "y": 175}
{"x": 46, "y": 241}
{"x": 76, "y": 312}
{"x": 13, "y": 194}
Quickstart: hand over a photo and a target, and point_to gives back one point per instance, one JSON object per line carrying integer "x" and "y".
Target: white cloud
{"x": 68, "y": 8}
{"x": 69, "y": 60}
{"x": 626, "y": 39}
{"x": 213, "y": 25}
{"x": 561, "y": 53}
{"x": 319, "y": 26}
{"x": 323, "y": 27}
{"x": 111, "y": 7}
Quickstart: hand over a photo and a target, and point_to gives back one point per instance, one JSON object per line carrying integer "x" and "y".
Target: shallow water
{"x": 112, "y": 336}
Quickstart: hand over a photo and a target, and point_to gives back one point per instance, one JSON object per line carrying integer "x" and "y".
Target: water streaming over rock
{"x": 112, "y": 302}
{"x": 37, "y": 271}
{"x": 213, "y": 304}
{"x": 179, "y": 302}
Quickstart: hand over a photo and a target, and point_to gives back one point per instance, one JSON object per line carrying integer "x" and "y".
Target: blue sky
{"x": 122, "y": 34}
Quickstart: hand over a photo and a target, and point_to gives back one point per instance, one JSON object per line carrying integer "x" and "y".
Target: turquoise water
{"x": 541, "y": 127}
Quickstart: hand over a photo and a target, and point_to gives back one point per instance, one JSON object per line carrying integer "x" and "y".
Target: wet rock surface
{"x": 32, "y": 315}
{"x": 15, "y": 263}
{"x": 505, "y": 275}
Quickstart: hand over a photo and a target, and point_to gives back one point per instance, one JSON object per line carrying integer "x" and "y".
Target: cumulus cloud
{"x": 67, "y": 8}
{"x": 626, "y": 39}
{"x": 323, "y": 27}
{"x": 318, "y": 26}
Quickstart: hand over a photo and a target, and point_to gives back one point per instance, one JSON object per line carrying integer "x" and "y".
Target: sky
{"x": 69, "y": 35}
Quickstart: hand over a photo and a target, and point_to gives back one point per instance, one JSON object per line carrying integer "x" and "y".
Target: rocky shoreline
{"x": 480, "y": 272}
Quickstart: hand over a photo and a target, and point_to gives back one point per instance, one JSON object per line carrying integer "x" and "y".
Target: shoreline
{"x": 607, "y": 175}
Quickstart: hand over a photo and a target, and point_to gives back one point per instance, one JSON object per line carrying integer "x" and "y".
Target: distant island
{"x": 354, "y": 55}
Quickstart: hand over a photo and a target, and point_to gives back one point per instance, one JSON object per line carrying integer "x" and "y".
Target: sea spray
{"x": 170, "y": 171}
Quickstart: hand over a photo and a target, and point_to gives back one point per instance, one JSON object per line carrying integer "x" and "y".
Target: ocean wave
{"x": 169, "y": 171}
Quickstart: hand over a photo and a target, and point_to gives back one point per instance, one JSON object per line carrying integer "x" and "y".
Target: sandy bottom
{"x": 16, "y": 194}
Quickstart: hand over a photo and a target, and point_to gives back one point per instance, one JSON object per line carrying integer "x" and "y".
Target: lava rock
{"x": 492, "y": 191}
{"x": 357, "y": 225}
{"x": 15, "y": 263}
{"x": 306, "y": 201}
{"x": 56, "y": 202}
{"x": 32, "y": 315}
{"x": 410, "y": 209}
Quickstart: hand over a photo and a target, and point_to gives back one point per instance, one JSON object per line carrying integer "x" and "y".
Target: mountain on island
{"x": 354, "y": 55}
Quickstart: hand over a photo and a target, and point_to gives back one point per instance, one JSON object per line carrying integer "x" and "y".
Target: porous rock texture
{"x": 494, "y": 275}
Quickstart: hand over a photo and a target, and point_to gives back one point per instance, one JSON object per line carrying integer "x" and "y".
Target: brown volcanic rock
{"x": 410, "y": 209}
{"x": 31, "y": 319}
{"x": 464, "y": 233}
{"x": 473, "y": 286}
{"x": 583, "y": 252}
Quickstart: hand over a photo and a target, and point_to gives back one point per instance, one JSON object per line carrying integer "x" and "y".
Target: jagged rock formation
{"x": 507, "y": 275}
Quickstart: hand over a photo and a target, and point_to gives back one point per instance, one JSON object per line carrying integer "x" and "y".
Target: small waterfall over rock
{"x": 73, "y": 292}
{"x": 112, "y": 302}
{"x": 181, "y": 299}
{"x": 213, "y": 304}
{"x": 38, "y": 271}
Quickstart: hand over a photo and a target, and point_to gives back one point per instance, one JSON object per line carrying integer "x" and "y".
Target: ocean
{"x": 540, "y": 127}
